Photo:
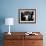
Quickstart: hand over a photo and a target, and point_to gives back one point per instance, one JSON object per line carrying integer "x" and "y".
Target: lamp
{"x": 9, "y": 21}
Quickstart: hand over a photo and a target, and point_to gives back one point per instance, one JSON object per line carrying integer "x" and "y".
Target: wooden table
{"x": 20, "y": 39}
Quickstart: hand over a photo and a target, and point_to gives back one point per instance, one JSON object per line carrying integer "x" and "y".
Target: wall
{"x": 9, "y": 8}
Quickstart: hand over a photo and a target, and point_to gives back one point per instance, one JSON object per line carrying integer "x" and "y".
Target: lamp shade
{"x": 9, "y": 21}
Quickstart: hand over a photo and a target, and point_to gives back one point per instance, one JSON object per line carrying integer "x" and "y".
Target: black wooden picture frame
{"x": 27, "y": 15}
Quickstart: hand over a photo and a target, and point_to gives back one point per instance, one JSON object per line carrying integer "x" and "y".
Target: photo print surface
{"x": 27, "y": 15}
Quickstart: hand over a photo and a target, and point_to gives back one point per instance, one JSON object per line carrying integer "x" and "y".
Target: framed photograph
{"x": 27, "y": 15}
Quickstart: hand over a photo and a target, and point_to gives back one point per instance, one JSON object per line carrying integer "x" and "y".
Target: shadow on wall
{"x": 2, "y": 21}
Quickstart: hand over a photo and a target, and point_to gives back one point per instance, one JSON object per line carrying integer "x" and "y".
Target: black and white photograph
{"x": 27, "y": 15}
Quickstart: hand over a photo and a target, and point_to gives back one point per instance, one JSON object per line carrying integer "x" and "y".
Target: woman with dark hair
{"x": 30, "y": 17}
